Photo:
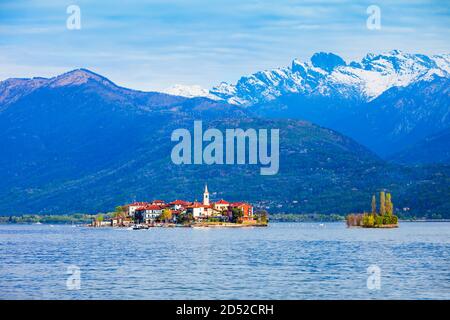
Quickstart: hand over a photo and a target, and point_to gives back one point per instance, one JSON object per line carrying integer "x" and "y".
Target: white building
{"x": 135, "y": 205}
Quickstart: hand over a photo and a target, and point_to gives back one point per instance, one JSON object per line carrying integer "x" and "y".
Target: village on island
{"x": 158, "y": 213}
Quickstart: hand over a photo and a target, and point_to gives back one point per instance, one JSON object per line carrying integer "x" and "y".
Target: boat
{"x": 140, "y": 227}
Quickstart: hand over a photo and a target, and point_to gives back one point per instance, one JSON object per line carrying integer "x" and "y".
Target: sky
{"x": 153, "y": 45}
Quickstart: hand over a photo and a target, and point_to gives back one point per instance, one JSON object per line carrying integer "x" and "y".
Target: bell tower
{"x": 206, "y": 196}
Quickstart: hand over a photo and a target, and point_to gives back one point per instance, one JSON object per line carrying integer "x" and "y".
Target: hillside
{"x": 432, "y": 149}
{"x": 79, "y": 143}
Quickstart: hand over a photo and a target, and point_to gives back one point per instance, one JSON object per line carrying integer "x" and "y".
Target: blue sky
{"x": 151, "y": 45}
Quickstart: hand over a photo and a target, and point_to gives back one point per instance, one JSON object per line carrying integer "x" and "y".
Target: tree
{"x": 389, "y": 205}
{"x": 166, "y": 215}
{"x": 382, "y": 203}
{"x": 237, "y": 214}
{"x": 120, "y": 212}
{"x": 262, "y": 216}
{"x": 374, "y": 205}
{"x": 185, "y": 218}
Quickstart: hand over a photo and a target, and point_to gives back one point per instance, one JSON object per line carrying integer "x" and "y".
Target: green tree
{"x": 382, "y": 203}
{"x": 237, "y": 214}
{"x": 185, "y": 218}
{"x": 389, "y": 205}
{"x": 378, "y": 220}
{"x": 374, "y": 205}
{"x": 120, "y": 212}
{"x": 262, "y": 216}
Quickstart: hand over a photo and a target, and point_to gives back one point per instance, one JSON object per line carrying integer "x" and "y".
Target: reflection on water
{"x": 283, "y": 261}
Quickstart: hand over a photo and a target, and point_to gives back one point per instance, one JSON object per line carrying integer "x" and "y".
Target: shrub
{"x": 368, "y": 220}
{"x": 394, "y": 220}
{"x": 371, "y": 221}
{"x": 378, "y": 220}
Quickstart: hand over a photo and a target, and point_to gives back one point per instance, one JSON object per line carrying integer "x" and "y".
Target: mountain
{"x": 432, "y": 149}
{"x": 79, "y": 143}
{"x": 387, "y": 102}
{"x": 190, "y": 91}
{"x": 401, "y": 116}
{"x": 327, "y": 74}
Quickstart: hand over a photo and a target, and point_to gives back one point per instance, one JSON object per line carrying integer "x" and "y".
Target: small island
{"x": 181, "y": 213}
{"x": 385, "y": 218}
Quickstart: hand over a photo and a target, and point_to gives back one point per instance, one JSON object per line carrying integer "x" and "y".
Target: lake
{"x": 282, "y": 261}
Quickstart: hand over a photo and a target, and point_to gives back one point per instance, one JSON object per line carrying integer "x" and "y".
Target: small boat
{"x": 38, "y": 222}
{"x": 140, "y": 227}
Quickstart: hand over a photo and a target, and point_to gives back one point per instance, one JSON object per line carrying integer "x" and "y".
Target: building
{"x": 221, "y": 205}
{"x": 133, "y": 206}
{"x": 145, "y": 212}
{"x": 158, "y": 202}
{"x": 120, "y": 222}
{"x": 197, "y": 210}
{"x": 148, "y": 213}
{"x": 179, "y": 205}
{"x": 247, "y": 210}
{"x": 206, "y": 196}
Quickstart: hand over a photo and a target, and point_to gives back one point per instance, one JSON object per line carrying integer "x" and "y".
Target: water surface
{"x": 283, "y": 261}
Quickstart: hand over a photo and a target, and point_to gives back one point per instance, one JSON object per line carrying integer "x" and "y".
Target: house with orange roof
{"x": 179, "y": 205}
{"x": 202, "y": 210}
{"x": 246, "y": 208}
{"x": 133, "y": 206}
{"x": 148, "y": 213}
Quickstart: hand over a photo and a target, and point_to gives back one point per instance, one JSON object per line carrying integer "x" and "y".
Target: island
{"x": 385, "y": 218}
{"x": 205, "y": 214}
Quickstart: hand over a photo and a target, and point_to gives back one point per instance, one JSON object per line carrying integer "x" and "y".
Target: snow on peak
{"x": 189, "y": 91}
{"x": 329, "y": 74}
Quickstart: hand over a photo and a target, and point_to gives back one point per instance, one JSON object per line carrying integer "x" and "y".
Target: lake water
{"x": 283, "y": 261}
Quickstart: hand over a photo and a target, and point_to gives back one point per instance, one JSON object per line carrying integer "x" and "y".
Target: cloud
{"x": 154, "y": 44}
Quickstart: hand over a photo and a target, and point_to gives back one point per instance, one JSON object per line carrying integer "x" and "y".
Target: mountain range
{"x": 77, "y": 142}
{"x": 327, "y": 74}
{"x": 387, "y": 102}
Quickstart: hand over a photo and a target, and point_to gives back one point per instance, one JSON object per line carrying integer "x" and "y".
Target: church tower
{"x": 206, "y": 196}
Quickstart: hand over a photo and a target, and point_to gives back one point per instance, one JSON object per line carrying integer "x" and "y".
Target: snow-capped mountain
{"x": 190, "y": 91}
{"x": 327, "y": 74}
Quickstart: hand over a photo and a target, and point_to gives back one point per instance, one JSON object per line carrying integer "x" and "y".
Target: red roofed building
{"x": 148, "y": 213}
{"x": 200, "y": 210}
{"x": 247, "y": 209}
{"x": 179, "y": 204}
{"x": 221, "y": 205}
{"x": 133, "y": 206}
{"x": 145, "y": 212}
